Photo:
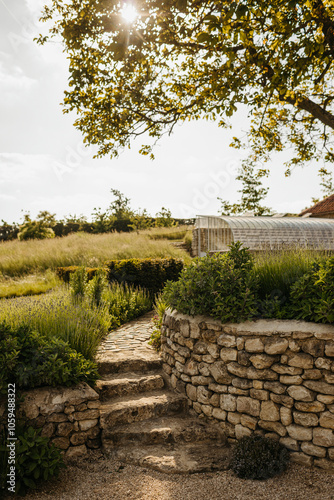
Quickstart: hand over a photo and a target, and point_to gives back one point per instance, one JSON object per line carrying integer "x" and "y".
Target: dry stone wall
{"x": 270, "y": 377}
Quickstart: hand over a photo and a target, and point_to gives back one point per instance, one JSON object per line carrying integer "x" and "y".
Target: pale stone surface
{"x": 191, "y": 392}
{"x": 323, "y": 364}
{"x": 275, "y": 387}
{"x": 240, "y": 343}
{"x": 301, "y": 458}
{"x": 248, "y": 405}
{"x": 315, "y": 406}
{"x": 259, "y": 394}
{"x": 241, "y": 431}
{"x": 314, "y": 347}
{"x": 286, "y": 370}
{"x": 318, "y": 386}
{"x": 276, "y": 346}
{"x": 204, "y": 369}
{"x": 213, "y": 350}
{"x": 261, "y": 361}
{"x": 285, "y": 415}
{"x": 234, "y": 417}
{"x": 228, "y": 402}
{"x": 248, "y": 421}
{"x": 300, "y": 393}
{"x": 200, "y": 347}
{"x": 300, "y": 433}
{"x": 329, "y": 349}
{"x": 323, "y": 437}
{"x": 329, "y": 378}
{"x": 305, "y": 419}
{"x": 269, "y": 411}
{"x": 311, "y": 449}
{"x": 301, "y": 360}
{"x": 219, "y": 414}
{"x": 254, "y": 345}
{"x": 239, "y": 392}
{"x": 258, "y": 384}
{"x": 190, "y": 368}
{"x": 220, "y": 389}
{"x": 75, "y": 452}
{"x": 228, "y": 354}
{"x": 84, "y": 425}
{"x": 289, "y": 443}
{"x": 327, "y": 400}
{"x": 64, "y": 429}
{"x": 203, "y": 395}
{"x": 291, "y": 379}
{"x": 312, "y": 374}
{"x": 294, "y": 346}
{"x": 282, "y": 399}
{"x": 327, "y": 420}
{"x": 58, "y": 417}
{"x": 242, "y": 383}
{"x": 207, "y": 410}
{"x": 276, "y": 427}
{"x": 201, "y": 380}
{"x": 219, "y": 373}
{"x": 227, "y": 340}
{"x": 215, "y": 400}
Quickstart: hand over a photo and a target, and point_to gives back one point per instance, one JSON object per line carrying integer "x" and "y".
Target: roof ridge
{"x": 325, "y": 205}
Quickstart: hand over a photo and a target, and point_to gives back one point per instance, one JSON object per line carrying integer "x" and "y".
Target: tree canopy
{"x": 190, "y": 59}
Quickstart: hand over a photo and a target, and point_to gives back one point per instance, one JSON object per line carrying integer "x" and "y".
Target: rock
{"x": 228, "y": 354}
{"x": 312, "y": 374}
{"x": 228, "y": 402}
{"x": 219, "y": 414}
{"x": 285, "y": 416}
{"x": 200, "y": 348}
{"x": 84, "y": 425}
{"x": 70, "y": 409}
{"x": 207, "y": 410}
{"x": 241, "y": 431}
{"x": 258, "y": 384}
{"x": 190, "y": 368}
{"x": 57, "y": 417}
{"x": 179, "y": 359}
{"x": 323, "y": 364}
{"x": 239, "y": 392}
{"x": 327, "y": 420}
{"x": 242, "y": 383}
{"x": 61, "y": 442}
{"x": 289, "y": 443}
{"x": 329, "y": 349}
{"x": 323, "y": 437}
{"x": 200, "y": 380}
{"x": 93, "y": 432}
{"x": 294, "y": 346}
{"x": 314, "y": 347}
{"x": 327, "y": 400}
{"x": 234, "y": 418}
{"x": 276, "y": 346}
{"x": 203, "y": 395}
{"x": 208, "y": 358}
{"x": 185, "y": 378}
{"x": 305, "y": 419}
{"x": 273, "y": 426}
{"x": 179, "y": 366}
{"x": 81, "y": 407}
{"x": 269, "y": 411}
{"x": 329, "y": 378}
{"x": 220, "y": 373}
{"x": 226, "y": 340}
{"x": 86, "y": 415}
{"x": 275, "y": 387}
{"x": 315, "y": 451}
{"x": 324, "y": 464}
{"x": 215, "y": 400}
{"x": 209, "y": 336}
{"x": 240, "y": 343}
{"x": 64, "y": 429}
{"x": 213, "y": 350}
{"x": 322, "y": 387}
{"x": 291, "y": 379}
{"x": 314, "y": 406}
{"x": 254, "y": 345}
{"x": 220, "y": 389}
{"x": 300, "y": 393}
{"x": 282, "y": 399}
{"x": 299, "y": 433}
{"x": 248, "y": 421}
{"x": 244, "y": 358}
{"x": 301, "y": 360}
{"x": 249, "y": 406}
{"x": 195, "y": 331}
{"x": 75, "y": 452}
{"x": 191, "y": 392}
{"x": 78, "y": 438}
{"x": 301, "y": 458}
{"x": 48, "y": 430}
{"x": 261, "y": 361}
{"x": 259, "y": 394}
{"x": 286, "y": 370}
{"x": 204, "y": 369}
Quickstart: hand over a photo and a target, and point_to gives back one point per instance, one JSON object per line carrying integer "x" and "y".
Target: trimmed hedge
{"x": 151, "y": 274}
{"x": 64, "y": 273}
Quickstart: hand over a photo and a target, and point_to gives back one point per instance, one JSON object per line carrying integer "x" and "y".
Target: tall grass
{"x": 81, "y": 249}
{"x": 55, "y": 314}
{"x": 31, "y": 284}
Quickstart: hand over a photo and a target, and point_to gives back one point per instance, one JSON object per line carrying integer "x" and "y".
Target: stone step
{"x": 109, "y": 363}
{"x": 163, "y": 430}
{"x": 130, "y": 409}
{"x": 177, "y": 458}
{"x": 113, "y": 386}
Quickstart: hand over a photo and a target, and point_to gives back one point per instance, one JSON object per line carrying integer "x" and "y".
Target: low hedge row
{"x": 64, "y": 273}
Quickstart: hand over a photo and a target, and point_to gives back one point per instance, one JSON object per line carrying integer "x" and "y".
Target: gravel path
{"x": 102, "y": 479}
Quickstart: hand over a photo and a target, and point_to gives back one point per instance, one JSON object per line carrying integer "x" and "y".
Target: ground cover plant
{"x": 31, "y": 284}
{"x": 82, "y": 249}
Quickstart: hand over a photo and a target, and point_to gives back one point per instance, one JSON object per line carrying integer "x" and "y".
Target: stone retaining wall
{"x": 272, "y": 377}
{"x": 69, "y": 416}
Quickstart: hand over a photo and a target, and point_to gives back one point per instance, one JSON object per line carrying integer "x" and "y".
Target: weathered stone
{"x": 195, "y": 331}
{"x": 323, "y": 364}
{"x": 294, "y": 346}
{"x": 207, "y": 358}
{"x": 300, "y": 433}
{"x": 261, "y": 361}
{"x": 269, "y": 411}
{"x": 200, "y": 348}
{"x": 327, "y": 420}
{"x": 327, "y": 400}
{"x": 93, "y": 443}
{"x": 173, "y": 380}
{"x": 331, "y": 408}
{"x": 248, "y": 421}
{"x": 254, "y": 345}
{"x": 314, "y": 406}
{"x": 220, "y": 389}
{"x": 48, "y": 430}
{"x": 179, "y": 366}
{"x": 228, "y": 402}
{"x": 241, "y": 431}
{"x": 318, "y": 386}
{"x": 315, "y": 451}
{"x": 220, "y": 373}
{"x": 314, "y": 347}
{"x": 185, "y": 378}
{"x": 276, "y": 346}
{"x": 258, "y": 384}
{"x": 197, "y": 407}
{"x": 189, "y": 343}
{"x": 289, "y": 443}
{"x": 275, "y": 387}
{"x": 226, "y": 340}
{"x": 227, "y": 354}
{"x": 209, "y": 336}
{"x": 93, "y": 404}
{"x": 286, "y": 370}
{"x": 329, "y": 378}
{"x": 300, "y": 393}
{"x": 81, "y": 407}
{"x": 301, "y": 360}
{"x": 301, "y": 335}
{"x": 305, "y": 419}
{"x": 273, "y": 426}
{"x": 204, "y": 369}
{"x": 324, "y": 464}
{"x": 285, "y": 415}
{"x": 301, "y": 458}
{"x": 69, "y": 409}
{"x": 190, "y": 368}
{"x": 75, "y": 452}
{"x": 58, "y": 417}
{"x": 219, "y": 414}
{"x": 38, "y": 422}
{"x": 184, "y": 328}
{"x": 282, "y": 399}
{"x": 249, "y": 406}
{"x": 86, "y": 415}
{"x": 244, "y": 358}
{"x": 312, "y": 374}
{"x": 200, "y": 380}
{"x": 84, "y": 425}
{"x": 78, "y": 438}
{"x": 242, "y": 383}
{"x": 259, "y": 394}
{"x": 291, "y": 379}
{"x": 239, "y": 392}
{"x": 213, "y": 350}
{"x": 203, "y": 395}
{"x": 215, "y": 400}
{"x": 64, "y": 429}
{"x": 61, "y": 442}
{"x": 93, "y": 432}
{"x": 234, "y": 417}
{"x": 191, "y": 392}
{"x": 179, "y": 359}
{"x": 207, "y": 410}
{"x": 331, "y": 453}
{"x": 240, "y": 343}
{"x": 272, "y": 435}
{"x": 329, "y": 349}
{"x": 323, "y": 437}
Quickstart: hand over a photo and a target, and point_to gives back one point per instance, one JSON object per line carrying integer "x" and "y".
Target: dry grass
{"x": 30, "y": 284}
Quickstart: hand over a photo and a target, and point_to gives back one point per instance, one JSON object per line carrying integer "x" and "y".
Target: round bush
{"x": 257, "y": 457}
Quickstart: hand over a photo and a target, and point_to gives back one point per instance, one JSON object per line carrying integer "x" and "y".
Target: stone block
{"x": 200, "y": 347}
{"x": 285, "y": 415}
{"x": 299, "y": 433}
{"x": 207, "y": 410}
{"x": 294, "y": 346}
{"x": 184, "y": 328}
{"x": 78, "y": 438}
{"x": 242, "y": 383}
{"x": 204, "y": 369}
{"x": 201, "y": 380}
{"x": 48, "y": 430}
{"x": 301, "y": 360}
{"x": 323, "y": 364}
{"x": 195, "y": 331}
{"x": 261, "y": 361}
{"x": 286, "y": 370}
{"x": 239, "y": 392}
{"x": 248, "y": 405}
{"x": 81, "y": 407}
{"x": 220, "y": 389}
{"x": 323, "y": 437}
{"x": 75, "y": 452}
{"x": 244, "y": 358}
{"x": 301, "y": 458}
{"x": 84, "y": 425}
{"x": 64, "y": 429}
{"x": 215, "y": 400}
{"x": 240, "y": 343}
{"x": 327, "y": 400}
{"x": 248, "y": 421}
{"x": 234, "y": 417}
{"x": 259, "y": 394}
{"x": 185, "y": 378}
{"x": 228, "y": 354}
{"x": 179, "y": 359}
{"x": 203, "y": 395}
{"x": 191, "y": 368}
{"x": 219, "y": 372}
{"x": 275, "y": 387}
{"x": 327, "y": 420}
{"x": 219, "y": 414}
{"x": 300, "y": 393}
{"x": 213, "y": 350}
{"x": 227, "y": 341}
{"x": 329, "y": 349}
{"x": 209, "y": 336}
{"x": 319, "y": 386}
{"x": 69, "y": 409}
{"x": 61, "y": 442}
{"x": 314, "y": 406}
{"x": 269, "y": 411}
{"x": 276, "y": 346}
{"x": 291, "y": 379}
{"x": 254, "y": 345}
{"x": 93, "y": 432}
{"x": 329, "y": 378}
{"x": 276, "y": 427}
{"x": 191, "y": 392}
{"x": 57, "y": 417}
{"x": 312, "y": 374}
{"x": 258, "y": 384}
{"x": 315, "y": 347}
{"x": 311, "y": 449}
{"x": 228, "y": 402}
{"x": 282, "y": 400}
{"x": 305, "y": 419}
{"x": 208, "y": 358}
{"x": 289, "y": 443}
{"x": 86, "y": 414}
{"x": 241, "y": 431}
{"x": 197, "y": 407}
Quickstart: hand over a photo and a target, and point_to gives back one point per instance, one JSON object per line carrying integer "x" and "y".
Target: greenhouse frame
{"x": 214, "y": 233}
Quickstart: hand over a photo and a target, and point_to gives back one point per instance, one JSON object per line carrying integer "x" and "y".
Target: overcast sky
{"x": 44, "y": 166}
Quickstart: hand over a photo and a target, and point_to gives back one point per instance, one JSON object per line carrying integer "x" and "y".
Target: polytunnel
{"x": 215, "y": 233}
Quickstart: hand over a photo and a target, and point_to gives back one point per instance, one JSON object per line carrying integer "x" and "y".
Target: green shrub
{"x": 97, "y": 287}
{"x": 151, "y": 274}
{"x": 221, "y": 286}
{"x": 28, "y": 359}
{"x": 126, "y": 302}
{"x": 257, "y": 457}
{"x": 78, "y": 282}
{"x": 65, "y": 273}
{"x": 312, "y": 296}
{"x": 36, "y": 460}
{"x": 159, "y": 307}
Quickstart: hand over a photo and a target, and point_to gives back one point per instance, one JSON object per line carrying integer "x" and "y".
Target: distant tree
{"x": 38, "y": 229}
{"x": 164, "y": 218}
{"x": 252, "y": 194}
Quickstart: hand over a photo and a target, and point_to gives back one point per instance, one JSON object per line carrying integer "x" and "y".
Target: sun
{"x": 129, "y": 13}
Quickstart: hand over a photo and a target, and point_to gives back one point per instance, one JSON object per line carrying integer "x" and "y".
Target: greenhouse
{"x": 215, "y": 233}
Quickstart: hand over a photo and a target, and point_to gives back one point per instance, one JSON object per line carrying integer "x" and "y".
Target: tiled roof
{"x": 322, "y": 207}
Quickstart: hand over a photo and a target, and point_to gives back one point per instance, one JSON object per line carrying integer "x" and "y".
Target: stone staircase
{"x": 145, "y": 422}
